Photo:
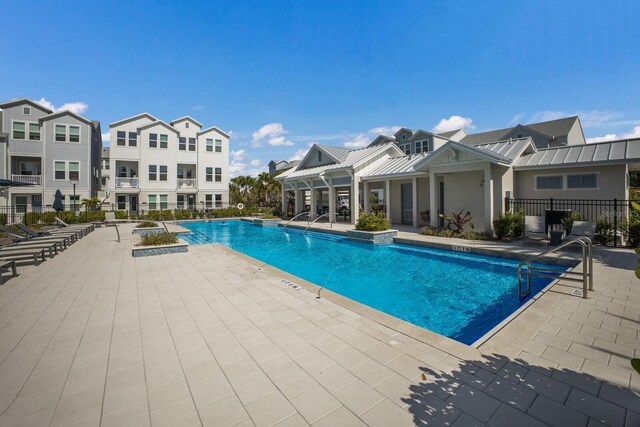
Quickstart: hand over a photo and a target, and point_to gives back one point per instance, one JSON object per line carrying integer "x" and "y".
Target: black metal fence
{"x": 613, "y": 211}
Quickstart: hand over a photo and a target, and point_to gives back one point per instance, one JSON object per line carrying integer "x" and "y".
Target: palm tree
{"x": 91, "y": 203}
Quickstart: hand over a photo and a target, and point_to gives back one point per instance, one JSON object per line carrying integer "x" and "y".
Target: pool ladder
{"x": 206, "y": 237}
{"x": 299, "y": 215}
{"x": 587, "y": 268}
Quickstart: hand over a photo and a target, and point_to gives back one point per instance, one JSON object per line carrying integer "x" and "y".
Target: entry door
{"x": 191, "y": 201}
{"x": 133, "y": 203}
{"x": 407, "y": 203}
{"x": 36, "y": 203}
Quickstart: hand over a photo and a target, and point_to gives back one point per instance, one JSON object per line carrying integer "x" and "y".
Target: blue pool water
{"x": 459, "y": 295}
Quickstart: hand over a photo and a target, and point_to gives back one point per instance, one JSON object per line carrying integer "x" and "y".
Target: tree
{"x": 91, "y": 203}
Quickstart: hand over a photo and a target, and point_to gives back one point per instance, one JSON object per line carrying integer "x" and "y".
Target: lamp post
{"x": 74, "y": 181}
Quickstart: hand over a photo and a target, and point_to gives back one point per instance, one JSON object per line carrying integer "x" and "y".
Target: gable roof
{"x": 132, "y": 118}
{"x": 403, "y": 165}
{"x": 448, "y": 134}
{"x": 185, "y": 118}
{"x": 609, "y": 152}
{"x": 419, "y": 134}
{"x": 551, "y": 128}
{"x": 66, "y": 113}
{"x": 19, "y": 101}
{"x": 214, "y": 129}
{"x": 159, "y": 123}
{"x": 381, "y": 139}
{"x": 402, "y": 130}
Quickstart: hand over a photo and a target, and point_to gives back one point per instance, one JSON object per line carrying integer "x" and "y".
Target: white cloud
{"x": 280, "y": 141}
{"x": 384, "y": 130}
{"x": 299, "y": 155}
{"x": 77, "y": 107}
{"x": 588, "y": 118}
{"x": 255, "y": 162}
{"x": 272, "y": 133}
{"x": 453, "y": 123}
{"x": 241, "y": 168}
{"x": 105, "y": 137}
{"x": 516, "y": 119}
{"x": 358, "y": 141}
{"x": 198, "y": 107}
{"x": 635, "y": 133}
{"x": 237, "y": 155}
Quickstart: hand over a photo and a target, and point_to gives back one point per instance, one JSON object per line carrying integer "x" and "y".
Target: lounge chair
{"x": 582, "y": 229}
{"x": 23, "y": 256}
{"x": 63, "y": 240}
{"x": 534, "y": 229}
{"x": 50, "y": 246}
{"x": 7, "y": 265}
{"x": 85, "y": 228}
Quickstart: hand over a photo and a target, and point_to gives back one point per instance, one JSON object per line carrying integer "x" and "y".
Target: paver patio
{"x": 96, "y": 337}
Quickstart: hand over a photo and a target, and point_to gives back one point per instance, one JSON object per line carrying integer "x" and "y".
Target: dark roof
{"x": 552, "y": 128}
{"x": 448, "y": 134}
{"x": 19, "y": 101}
{"x": 66, "y": 113}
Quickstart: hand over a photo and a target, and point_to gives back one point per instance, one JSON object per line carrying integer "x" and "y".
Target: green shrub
{"x": 445, "y": 232}
{"x": 631, "y": 231}
{"x": 158, "y": 239}
{"x": 182, "y": 214}
{"x": 372, "y": 222}
{"x": 509, "y": 224}
{"x": 166, "y": 215}
{"x": 3, "y": 219}
{"x": 604, "y": 231}
{"x": 153, "y": 215}
{"x": 567, "y": 222}
{"x": 121, "y": 215}
{"x": 90, "y": 216}
{"x": 68, "y": 216}
{"x": 147, "y": 224}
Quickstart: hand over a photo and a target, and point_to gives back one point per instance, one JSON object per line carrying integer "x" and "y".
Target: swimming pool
{"x": 459, "y": 295}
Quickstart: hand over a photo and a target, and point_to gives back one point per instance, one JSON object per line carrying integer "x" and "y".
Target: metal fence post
{"x": 615, "y": 223}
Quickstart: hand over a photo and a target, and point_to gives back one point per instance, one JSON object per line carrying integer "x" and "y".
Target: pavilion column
{"x": 367, "y": 196}
{"x": 314, "y": 200}
{"x": 332, "y": 203}
{"x": 414, "y": 201}
{"x": 488, "y": 199}
{"x": 433, "y": 205}
{"x": 355, "y": 198}
{"x": 283, "y": 200}
{"x": 299, "y": 200}
{"x": 387, "y": 198}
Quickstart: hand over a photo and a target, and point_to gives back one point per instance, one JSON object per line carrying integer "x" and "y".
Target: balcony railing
{"x": 186, "y": 183}
{"x": 28, "y": 179}
{"x": 127, "y": 182}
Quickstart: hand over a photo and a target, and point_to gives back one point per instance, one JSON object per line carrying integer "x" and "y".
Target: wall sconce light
{"x": 482, "y": 182}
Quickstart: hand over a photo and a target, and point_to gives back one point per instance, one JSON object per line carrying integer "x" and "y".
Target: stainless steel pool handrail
{"x": 201, "y": 233}
{"x": 587, "y": 267}
{"x": 299, "y": 215}
{"x": 314, "y": 221}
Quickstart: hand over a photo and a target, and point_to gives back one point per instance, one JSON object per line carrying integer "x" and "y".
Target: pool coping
{"x": 411, "y": 330}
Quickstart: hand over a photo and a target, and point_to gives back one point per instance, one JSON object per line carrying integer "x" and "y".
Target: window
{"x": 406, "y": 148}
{"x": 122, "y": 202}
{"x": 19, "y": 131}
{"x": 163, "y": 173}
{"x": 61, "y": 133}
{"x": 121, "y": 138}
{"x": 209, "y": 175}
{"x": 186, "y": 125}
{"x": 319, "y": 156}
{"x": 182, "y": 143}
{"x": 218, "y": 174}
{"x": 74, "y": 133}
{"x": 74, "y": 201}
{"x": 180, "y": 203}
{"x": 74, "y": 171}
{"x": 26, "y": 111}
{"x": 60, "y": 171}
{"x": 153, "y": 173}
{"x": 152, "y": 201}
{"x": 192, "y": 144}
{"x": 133, "y": 139}
{"x": 418, "y": 147}
{"x": 582, "y": 181}
{"x": 164, "y": 141}
{"x": 425, "y": 146}
{"x": 218, "y": 200}
{"x": 105, "y": 164}
{"x": 208, "y": 201}
{"x": 103, "y": 181}
{"x": 404, "y": 136}
{"x": 163, "y": 201}
{"x": 549, "y": 182}
{"x": 218, "y": 146}
{"x": 34, "y": 132}
{"x": 210, "y": 145}
{"x": 153, "y": 140}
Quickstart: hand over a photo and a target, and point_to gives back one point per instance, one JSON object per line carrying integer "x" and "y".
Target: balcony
{"x": 186, "y": 184}
{"x": 127, "y": 183}
{"x": 28, "y": 179}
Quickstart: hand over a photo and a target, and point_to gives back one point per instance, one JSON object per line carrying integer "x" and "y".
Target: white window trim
{"x": 597, "y": 187}
{"x": 67, "y": 133}
{"x": 26, "y": 131}
{"x": 535, "y": 182}
{"x": 24, "y": 107}
{"x": 66, "y": 170}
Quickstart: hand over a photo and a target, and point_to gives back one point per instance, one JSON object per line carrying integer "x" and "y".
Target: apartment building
{"x": 159, "y": 165}
{"x": 49, "y": 150}
{"x": 105, "y": 174}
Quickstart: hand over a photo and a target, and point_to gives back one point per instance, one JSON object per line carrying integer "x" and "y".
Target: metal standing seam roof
{"x": 338, "y": 153}
{"x": 397, "y": 166}
{"x": 601, "y": 152}
{"x": 509, "y": 150}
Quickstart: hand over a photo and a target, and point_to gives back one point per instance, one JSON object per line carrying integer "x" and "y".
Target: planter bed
{"x": 178, "y": 248}
{"x": 143, "y": 231}
{"x": 267, "y": 222}
{"x": 374, "y": 237}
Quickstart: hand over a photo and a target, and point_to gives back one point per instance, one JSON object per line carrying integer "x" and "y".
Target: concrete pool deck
{"x": 96, "y": 337}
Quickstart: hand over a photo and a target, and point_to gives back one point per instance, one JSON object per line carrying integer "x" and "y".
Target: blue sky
{"x": 281, "y": 75}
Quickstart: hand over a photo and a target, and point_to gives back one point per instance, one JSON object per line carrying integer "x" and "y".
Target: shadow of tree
{"x": 501, "y": 391}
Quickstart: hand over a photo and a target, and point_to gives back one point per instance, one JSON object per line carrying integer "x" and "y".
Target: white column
{"x": 367, "y": 196}
{"x": 488, "y": 200}
{"x": 283, "y": 200}
{"x": 299, "y": 200}
{"x": 387, "y": 198}
{"x": 313, "y": 200}
{"x": 433, "y": 205}
{"x": 355, "y": 198}
{"x": 414, "y": 201}
{"x": 332, "y": 203}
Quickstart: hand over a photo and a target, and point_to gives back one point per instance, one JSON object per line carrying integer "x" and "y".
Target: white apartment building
{"x": 159, "y": 165}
